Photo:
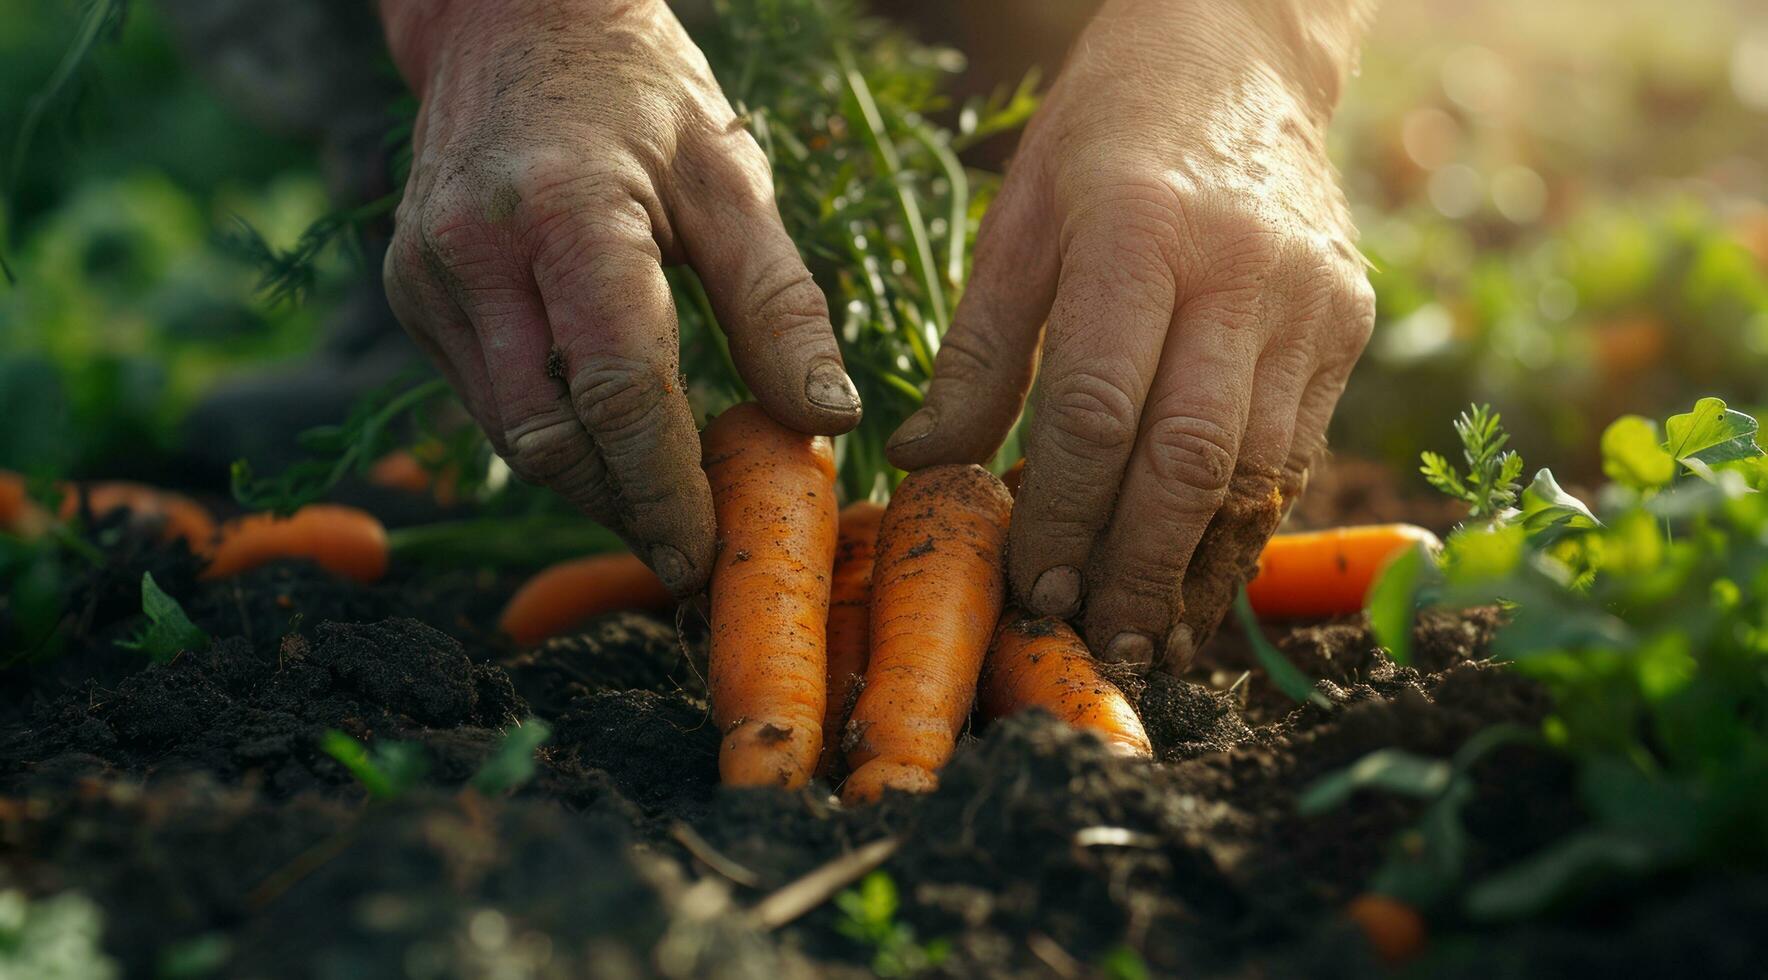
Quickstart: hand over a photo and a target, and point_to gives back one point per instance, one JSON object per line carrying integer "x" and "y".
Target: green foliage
{"x": 1391, "y": 603}
{"x": 1124, "y": 963}
{"x": 1489, "y": 486}
{"x": 386, "y": 772}
{"x": 169, "y": 630}
{"x": 1285, "y": 676}
{"x": 511, "y": 764}
{"x": 1650, "y": 629}
{"x": 55, "y": 938}
{"x": 868, "y": 916}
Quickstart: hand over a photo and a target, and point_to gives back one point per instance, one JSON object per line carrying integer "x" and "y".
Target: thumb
{"x": 987, "y": 359}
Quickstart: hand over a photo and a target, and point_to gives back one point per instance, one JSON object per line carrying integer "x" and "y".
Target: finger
{"x": 988, "y": 357}
{"x": 1191, "y": 437}
{"x": 545, "y": 443}
{"x": 770, "y": 308}
{"x": 441, "y": 329}
{"x": 1227, "y": 554}
{"x": 613, "y": 320}
{"x": 1113, "y": 307}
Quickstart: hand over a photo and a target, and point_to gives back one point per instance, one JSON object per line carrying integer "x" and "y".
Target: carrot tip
{"x": 868, "y": 782}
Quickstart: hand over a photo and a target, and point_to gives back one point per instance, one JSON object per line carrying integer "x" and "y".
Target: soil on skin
{"x": 192, "y": 802}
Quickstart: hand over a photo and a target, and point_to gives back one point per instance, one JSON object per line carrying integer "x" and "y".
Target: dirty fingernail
{"x": 1180, "y": 648}
{"x": 1057, "y": 592}
{"x": 829, "y": 387}
{"x": 672, "y": 567}
{"x": 914, "y": 428}
{"x": 1130, "y": 647}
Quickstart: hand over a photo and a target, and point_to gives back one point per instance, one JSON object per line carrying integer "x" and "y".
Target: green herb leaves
{"x": 169, "y": 630}
{"x": 1490, "y": 483}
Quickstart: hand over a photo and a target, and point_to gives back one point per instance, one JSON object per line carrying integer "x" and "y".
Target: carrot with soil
{"x": 173, "y": 514}
{"x": 342, "y": 540}
{"x": 570, "y": 593}
{"x": 937, "y": 593}
{"x": 850, "y": 618}
{"x": 1328, "y": 573}
{"x": 773, "y": 492}
{"x": 1039, "y": 662}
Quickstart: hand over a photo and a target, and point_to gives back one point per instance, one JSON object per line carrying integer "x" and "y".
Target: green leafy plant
{"x": 169, "y": 630}
{"x": 511, "y": 764}
{"x": 1489, "y": 485}
{"x": 1648, "y": 624}
{"x": 1285, "y": 676}
{"x": 868, "y": 916}
{"x": 387, "y": 771}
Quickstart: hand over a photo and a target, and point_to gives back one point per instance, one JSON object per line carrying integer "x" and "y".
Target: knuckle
{"x": 1088, "y": 411}
{"x": 1192, "y": 454}
{"x": 620, "y": 400}
{"x": 783, "y": 296}
{"x": 1357, "y": 323}
{"x": 542, "y": 454}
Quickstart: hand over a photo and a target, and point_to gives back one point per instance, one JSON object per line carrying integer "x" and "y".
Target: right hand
{"x": 563, "y": 152}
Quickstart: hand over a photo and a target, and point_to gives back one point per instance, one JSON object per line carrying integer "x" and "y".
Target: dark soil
{"x": 192, "y": 802}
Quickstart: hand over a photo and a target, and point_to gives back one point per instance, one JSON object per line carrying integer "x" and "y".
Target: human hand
{"x": 1173, "y": 216}
{"x": 563, "y": 152}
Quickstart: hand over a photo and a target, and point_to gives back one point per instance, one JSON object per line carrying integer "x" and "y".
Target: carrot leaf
{"x": 169, "y": 630}
{"x": 512, "y": 763}
{"x": 386, "y": 772}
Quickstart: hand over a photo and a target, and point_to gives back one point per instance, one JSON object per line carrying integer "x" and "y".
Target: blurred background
{"x": 1565, "y": 204}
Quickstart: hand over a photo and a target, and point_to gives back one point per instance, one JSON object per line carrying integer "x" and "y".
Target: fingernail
{"x": 672, "y": 567}
{"x": 914, "y": 428}
{"x": 829, "y": 387}
{"x": 1180, "y": 648}
{"x": 1057, "y": 592}
{"x": 1130, "y": 647}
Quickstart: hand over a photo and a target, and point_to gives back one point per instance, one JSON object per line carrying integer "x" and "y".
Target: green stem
{"x": 910, "y": 206}
{"x": 959, "y": 217}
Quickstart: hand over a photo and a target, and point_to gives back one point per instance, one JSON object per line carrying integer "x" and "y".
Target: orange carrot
{"x": 176, "y": 515}
{"x": 773, "y": 493}
{"x": 937, "y": 593}
{"x": 404, "y": 469}
{"x": 342, "y": 540}
{"x": 1328, "y": 573}
{"x": 1041, "y": 663}
{"x": 850, "y": 616}
{"x": 1394, "y": 929}
{"x": 567, "y": 594}
{"x": 19, "y": 514}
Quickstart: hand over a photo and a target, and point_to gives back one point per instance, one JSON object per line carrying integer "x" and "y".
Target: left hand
{"x": 1173, "y": 216}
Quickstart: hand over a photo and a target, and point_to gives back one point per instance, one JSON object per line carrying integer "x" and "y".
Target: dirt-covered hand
{"x": 564, "y": 152}
{"x": 1173, "y": 217}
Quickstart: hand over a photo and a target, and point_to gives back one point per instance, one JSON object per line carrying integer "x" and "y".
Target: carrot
{"x": 571, "y": 592}
{"x": 937, "y": 593}
{"x": 1328, "y": 573}
{"x": 342, "y": 540}
{"x": 1395, "y": 930}
{"x": 176, "y": 515}
{"x": 850, "y": 616}
{"x": 773, "y": 493}
{"x": 404, "y": 469}
{"x": 1040, "y": 663}
{"x": 19, "y": 514}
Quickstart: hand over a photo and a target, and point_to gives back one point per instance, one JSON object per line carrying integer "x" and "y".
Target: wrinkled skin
{"x": 1172, "y": 217}
{"x": 563, "y": 153}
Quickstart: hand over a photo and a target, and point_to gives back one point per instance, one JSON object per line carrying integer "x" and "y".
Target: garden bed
{"x": 193, "y": 803}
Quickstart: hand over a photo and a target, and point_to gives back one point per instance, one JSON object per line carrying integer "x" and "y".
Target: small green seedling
{"x": 511, "y": 764}
{"x": 868, "y": 916}
{"x": 387, "y": 772}
{"x": 169, "y": 630}
{"x": 1490, "y": 484}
